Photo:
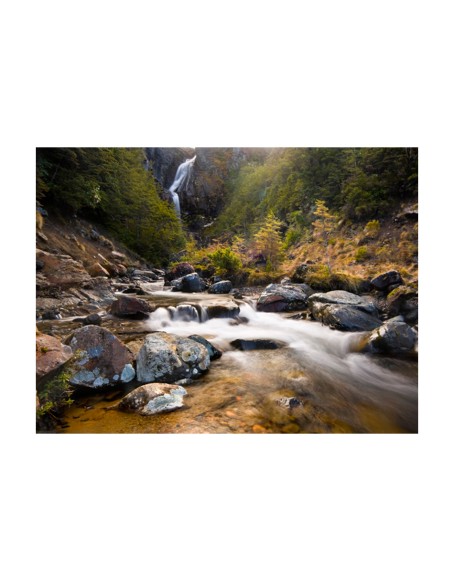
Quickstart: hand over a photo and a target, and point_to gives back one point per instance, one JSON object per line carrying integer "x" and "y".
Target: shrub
{"x": 55, "y": 394}
{"x": 362, "y": 253}
{"x": 225, "y": 261}
{"x": 372, "y": 228}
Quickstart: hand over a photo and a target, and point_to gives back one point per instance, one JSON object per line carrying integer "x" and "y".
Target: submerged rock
{"x": 225, "y": 308}
{"x": 153, "y": 398}
{"x": 168, "y": 358}
{"x": 101, "y": 358}
{"x": 51, "y": 354}
{"x": 393, "y": 337}
{"x": 278, "y": 298}
{"x": 131, "y": 307}
{"x": 257, "y": 344}
{"x": 221, "y": 287}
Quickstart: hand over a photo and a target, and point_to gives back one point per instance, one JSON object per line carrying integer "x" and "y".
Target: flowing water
{"x": 332, "y": 387}
{"x": 181, "y": 181}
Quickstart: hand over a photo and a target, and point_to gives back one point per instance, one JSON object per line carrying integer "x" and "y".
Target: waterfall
{"x": 181, "y": 181}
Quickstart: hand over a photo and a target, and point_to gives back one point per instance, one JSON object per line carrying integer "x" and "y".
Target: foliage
{"x": 372, "y": 228}
{"x": 361, "y": 254}
{"x": 268, "y": 241}
{"x": 55, "y": 394}
{"x": 111, "y": 186}
{"x": 323, "y": 225}
{"x": 225, "y": 261}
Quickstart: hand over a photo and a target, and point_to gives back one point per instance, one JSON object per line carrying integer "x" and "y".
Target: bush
{"x": 362, "y": 253}
{"x": 54, "y": 395}
{"x": 372, "y": 228}
{"x": 225, "y": 262}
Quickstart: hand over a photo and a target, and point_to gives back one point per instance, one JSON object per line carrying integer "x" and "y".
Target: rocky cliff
{"x": 204, "y": 193}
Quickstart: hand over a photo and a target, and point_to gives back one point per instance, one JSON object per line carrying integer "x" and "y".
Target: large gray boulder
{"x": 191, "y": 283}
{"x": 152, "y": 399}
{"x": 344, "y": 317}
{"x": 101, "y": 359}
{"x": 343, "y": 298}
{"x": 221, "y": 287}
{"x": 277, "y": 298}
{"x": 164, "y": 357}
{"x": 213, "y": 352}
{"x": 393, "y": 337}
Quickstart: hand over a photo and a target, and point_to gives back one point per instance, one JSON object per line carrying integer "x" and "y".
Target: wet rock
{"x": 385, "y": 280}
{"x": 191, "y": 283}
{"x": 289, "y": 402}
{"x": 343, "y": 298}
{"x": 257, "y": 344}
{"x": 51, "y": 314}
{"x": 344, "y": 317}
{"x": 154, "y": 398}
{"x": 185, "y": 312}
{"x": 213, "y": 352}
{"x": 92, "y": 319}
{"x": 221, "y": 287}
{"x": 102, "y": 359}
{"x": 39, "y": 264}
{"x": 130, "y": 307}
{"x": 51, "y": 354}
{"x": 403, "y": 300}
{"x": 165, "y": 357}
{"x": 179, "y": 271}
{"x": 393, "y": 337}
{"x": 142, "y": 274}
{"x": 278, "y": 298}
{"x": 239, "y": 320}
{"x": 227, "y": 309}
{"x": 133, "y": 289}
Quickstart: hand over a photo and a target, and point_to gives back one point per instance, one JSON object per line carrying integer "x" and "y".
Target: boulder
{"x": 142, "y": 274}
{"x": 61, "y": 270}
{"x": 165, "y": 357}
{"x": 227, "y": 309}
{"x": 344, "y": 317}
{"x": 344, "y": 298}
{"x": 153, "y": 398}
{"x": 101, "y": 358}
{"x": 221, "y": 287}
{"x": 213, "y": 352}
{"x": 178, "y": 271}
{"x": 257, "y": 344}
{"x": 403, "y": 300}
{"x": 97, "y": 270}
{"x": 385, "y": 280}
{"x": 51, "y": 354}
{"x": 393, "y": 337}
{"x": 278, "y": 298}
{"x": 191, "y": 283}
{"x": 131, "y": 307}
{"x": 92, "y": 319}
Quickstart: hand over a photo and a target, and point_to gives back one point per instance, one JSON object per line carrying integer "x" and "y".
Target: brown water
{"x": 339, "y": 390}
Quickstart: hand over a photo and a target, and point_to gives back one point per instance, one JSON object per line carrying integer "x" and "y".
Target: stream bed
{"x": 317, "y": 382}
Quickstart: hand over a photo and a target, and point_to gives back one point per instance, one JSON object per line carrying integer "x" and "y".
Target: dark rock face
{"x": 404, "y": 301}
{"x": 221, "y": 287}
{"x": 131, "y": 307}
{"x": 51, "y": 354}
{"x": 385, "y": 280}
{"x": 213, "y": 352}
{"x": 153, "y": 398}
{"x": 393, "y": 337}
{"x": 102, "y": 359}
{"x": 257, "y": 344}
{"x": 278, "y": 298}
{"x": 343, "y": 298}
{"x": 165, "y": 357}
{"x": 227, "y": 308}
{"x": 344, "y": 317}
{"x": 191, "y": 283}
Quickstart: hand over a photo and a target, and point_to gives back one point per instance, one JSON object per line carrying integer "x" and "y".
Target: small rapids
{"x": 330, "y": 385}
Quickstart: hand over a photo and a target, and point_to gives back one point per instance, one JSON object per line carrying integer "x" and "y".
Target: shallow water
{"x": 336, "y": 388}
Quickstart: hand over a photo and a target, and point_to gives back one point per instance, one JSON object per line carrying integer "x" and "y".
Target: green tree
{"x": 268, "y": 241}
{"x": 323, "y": 226}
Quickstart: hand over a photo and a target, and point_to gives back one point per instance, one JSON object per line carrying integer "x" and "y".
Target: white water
{"x": 181, "y": 181}
{"x": 330, "y": 357}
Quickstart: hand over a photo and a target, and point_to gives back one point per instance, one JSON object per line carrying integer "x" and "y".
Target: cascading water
{"x": 181, "y": 182}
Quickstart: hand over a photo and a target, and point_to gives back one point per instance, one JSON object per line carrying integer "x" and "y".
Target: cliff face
{"x": 204, "y": 193}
